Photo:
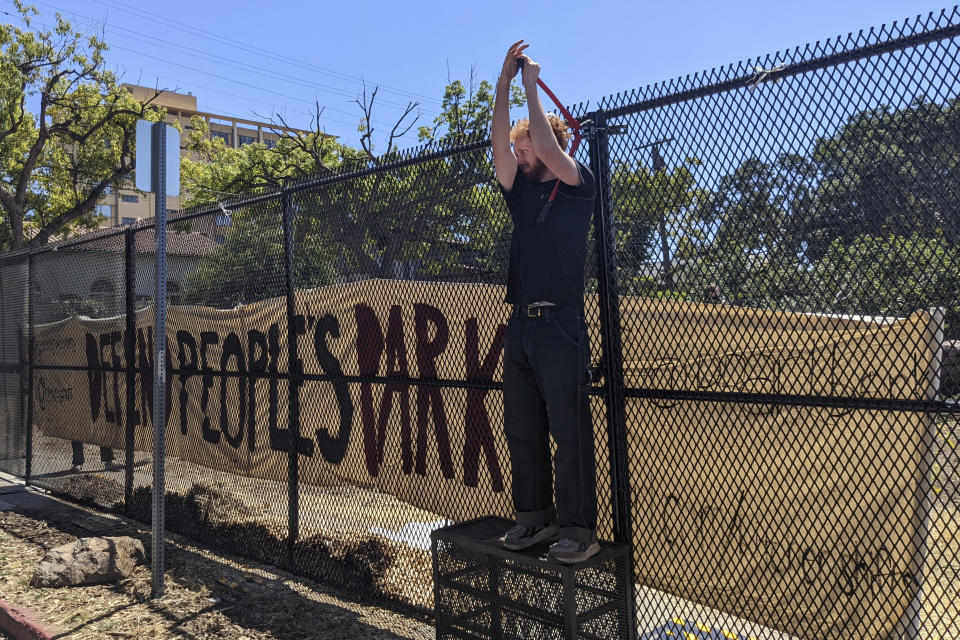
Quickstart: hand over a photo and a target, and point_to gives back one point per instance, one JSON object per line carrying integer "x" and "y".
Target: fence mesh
{"x": 769, "y": 454}
{"x": 771, "y": 298}
{"x": 14, "y": 338}
{"x": 84, "y": 278}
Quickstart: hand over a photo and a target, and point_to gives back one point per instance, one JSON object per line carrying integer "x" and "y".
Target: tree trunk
{"x": 668, "y": 282}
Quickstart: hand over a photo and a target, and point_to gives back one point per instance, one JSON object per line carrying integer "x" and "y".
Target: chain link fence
{"x": 772, "y": 302}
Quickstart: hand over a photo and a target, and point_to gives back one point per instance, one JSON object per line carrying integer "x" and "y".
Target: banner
{"x": 801, "y": 518}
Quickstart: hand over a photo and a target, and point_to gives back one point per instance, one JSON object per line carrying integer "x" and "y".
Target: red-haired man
{"x": 547, "y": 353}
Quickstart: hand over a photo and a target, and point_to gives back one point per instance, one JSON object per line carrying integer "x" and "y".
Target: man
{"x": 106, "y": 457}
{"x": 546, "y": 356}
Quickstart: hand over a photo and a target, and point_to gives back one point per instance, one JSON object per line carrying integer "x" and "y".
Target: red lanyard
{"x": 572, "y": 122}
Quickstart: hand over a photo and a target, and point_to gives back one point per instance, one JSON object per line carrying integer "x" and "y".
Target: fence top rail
{"x": 16, "y": 255}
{"x": 97, "y": 235}
{"x": 407, "y": 158}
{"x": 752, "y": 72}
{"x": 834, "y": 51}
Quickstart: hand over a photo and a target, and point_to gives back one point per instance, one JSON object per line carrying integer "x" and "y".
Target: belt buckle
{"x": 534, "y": 312}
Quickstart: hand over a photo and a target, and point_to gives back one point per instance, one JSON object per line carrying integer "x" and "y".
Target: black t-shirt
{"x": 547, "y": 258}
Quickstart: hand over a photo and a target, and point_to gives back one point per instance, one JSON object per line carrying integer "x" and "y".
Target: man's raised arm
{"x": 544, "y": 142}
{"x": 503, "y": 158}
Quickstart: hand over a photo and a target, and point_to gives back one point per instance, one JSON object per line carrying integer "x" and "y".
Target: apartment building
{"x": 127, "y": 205}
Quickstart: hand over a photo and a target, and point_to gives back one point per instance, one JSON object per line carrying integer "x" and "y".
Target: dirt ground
{"x": 359, "y": 539}
{"x": 354, "y": 537}
{"x": 207, "y": 594}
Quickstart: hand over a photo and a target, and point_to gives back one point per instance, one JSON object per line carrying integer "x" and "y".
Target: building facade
{"x": 127, "y": 205}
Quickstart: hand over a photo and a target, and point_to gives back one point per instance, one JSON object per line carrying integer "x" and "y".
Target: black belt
{"x": 541, "y": 311}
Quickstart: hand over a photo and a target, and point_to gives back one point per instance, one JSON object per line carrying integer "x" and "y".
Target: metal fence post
{"x": 130, "y": 358}
{"x": 31, "y": 357}
{"x": 159, "y": 364}
{"x": 609, "y": 303}
{"x": 293, "y": 384}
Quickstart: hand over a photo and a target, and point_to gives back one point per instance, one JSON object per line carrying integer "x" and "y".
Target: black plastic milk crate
{"x": 482, "y": 591}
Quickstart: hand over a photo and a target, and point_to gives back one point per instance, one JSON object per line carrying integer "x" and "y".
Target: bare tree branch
{"x": 366, "y": 140}
{"x": 367, "y": 108}
{"x": 315, "y": 144}
{"x": 393, "y": 132}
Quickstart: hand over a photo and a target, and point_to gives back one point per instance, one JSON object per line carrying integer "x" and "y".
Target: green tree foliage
{"x": 467, "y": 111}
{"x": 250, "y": 265}
{"x": 438, "y": 217}
{"x": 56, "y": 164}
{"x": 659, "y": 222}
{"x": 867, "y": 221}
{"x": 883, "y": 172}
{"x": 441, "y": 218}
{"x": 757, "y": 249}
{"x": 890, "y": 172}
{"x": 212, "y": 172}
{"x": 888, "y": 275}
{"x": 759, "y": 205}
{"x": 420, "y": 215}
{"x": 481, "y": 233}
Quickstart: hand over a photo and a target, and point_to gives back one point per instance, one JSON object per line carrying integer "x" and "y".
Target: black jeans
{"x": 545, "y": 385}
{"x": 106, "y": 453}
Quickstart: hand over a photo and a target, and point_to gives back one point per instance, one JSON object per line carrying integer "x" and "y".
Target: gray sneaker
{"x": 524, "y": 537}
{"x": 568, "y": 551}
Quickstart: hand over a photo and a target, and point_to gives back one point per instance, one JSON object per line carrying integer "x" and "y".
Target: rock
{"x": 89, "y": 561}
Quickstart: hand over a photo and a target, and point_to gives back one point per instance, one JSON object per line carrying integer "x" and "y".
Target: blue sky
{"x": 252, "y": 59}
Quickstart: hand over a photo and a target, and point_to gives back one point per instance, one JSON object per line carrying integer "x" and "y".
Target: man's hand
{"x": 544, "y": 141}
{"x": 503, "y": 158}
{"x": 531, "y": 73}
{"x": 510, "y": 68}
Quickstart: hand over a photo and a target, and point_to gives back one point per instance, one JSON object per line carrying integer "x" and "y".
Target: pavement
{"x": 17, "y": 622}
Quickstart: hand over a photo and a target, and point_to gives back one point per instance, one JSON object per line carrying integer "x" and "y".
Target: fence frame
{"x": 614, "y": 391}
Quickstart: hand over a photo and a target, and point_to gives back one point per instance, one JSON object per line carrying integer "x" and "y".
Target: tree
{"x": 763, "y": 206}
{"x": 214, "y": 172}
{"x": 889, "y": 275}
{"x": 658, "y": 213}
{"x": 377, "y": 215}
{"x": 755, "y": 238}
{"x": 890, "y": 172}
{"x": 884, "y": 172}
{"x": 795, "y": 230}
{"x": 427, "y": 214}
{"x": 250, "y": 265}
{"x": 466, "y": 112}
{"x": 56, "y": 164}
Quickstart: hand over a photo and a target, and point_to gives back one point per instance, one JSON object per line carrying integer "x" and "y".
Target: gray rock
{"x": 89, "y": 561}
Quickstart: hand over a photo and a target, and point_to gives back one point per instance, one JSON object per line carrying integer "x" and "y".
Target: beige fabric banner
{"x": 804, "y": 519}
